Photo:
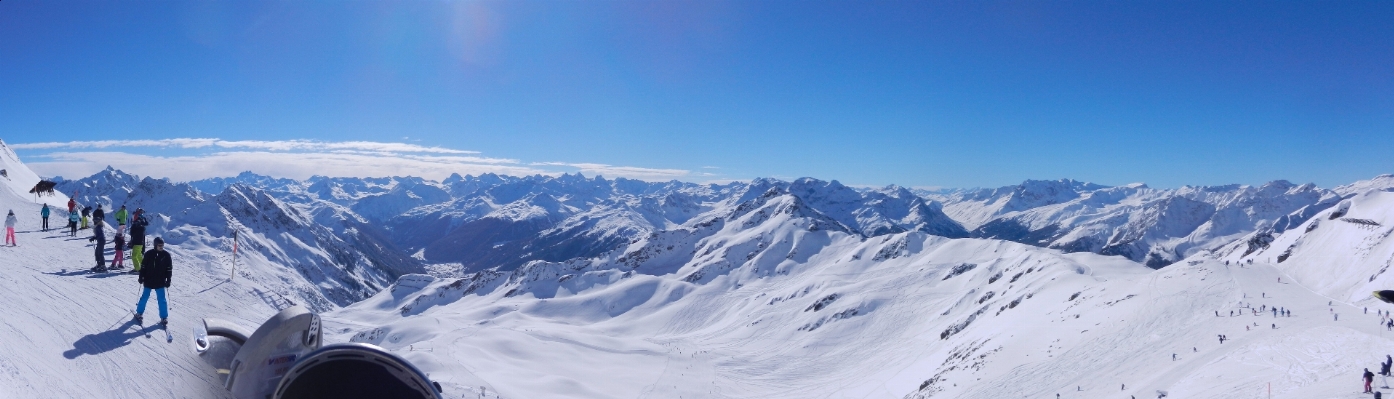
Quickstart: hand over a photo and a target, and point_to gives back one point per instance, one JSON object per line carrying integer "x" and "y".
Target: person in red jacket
{"x": 1369, "y": 378}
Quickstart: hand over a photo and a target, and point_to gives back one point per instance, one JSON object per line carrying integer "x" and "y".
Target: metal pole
{"x": 234, "y": 256}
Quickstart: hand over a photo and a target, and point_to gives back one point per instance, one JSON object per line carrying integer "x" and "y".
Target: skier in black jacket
{"x": 155, "y": 273}
{"x": 137, "y": 239}
{"x": 99, "y": 236}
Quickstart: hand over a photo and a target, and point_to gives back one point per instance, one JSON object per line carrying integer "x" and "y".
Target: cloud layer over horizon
{"x": 186, "y": 159}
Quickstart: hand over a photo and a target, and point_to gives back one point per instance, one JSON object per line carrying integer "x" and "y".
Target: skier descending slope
{"x": 44, "y": 214}
{"x": 155, "y": 273}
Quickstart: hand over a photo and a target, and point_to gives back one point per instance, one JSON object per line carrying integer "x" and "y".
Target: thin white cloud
{"x": 180, "y": 143}
{"x": 266, "y": 145}
{"x": 299, "y": 159}
{"x": 279, "y": 164}
{"x": 710, "y": 167}
{"x": 633, "y": 172}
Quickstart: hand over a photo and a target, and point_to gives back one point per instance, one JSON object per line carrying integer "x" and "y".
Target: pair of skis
{"x": 164, "y": 327}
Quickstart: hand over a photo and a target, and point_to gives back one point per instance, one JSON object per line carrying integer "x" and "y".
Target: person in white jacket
{"x": 10, "y": 228}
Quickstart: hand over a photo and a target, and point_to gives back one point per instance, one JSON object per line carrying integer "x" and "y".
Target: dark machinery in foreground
{"x": 285, "y": 359}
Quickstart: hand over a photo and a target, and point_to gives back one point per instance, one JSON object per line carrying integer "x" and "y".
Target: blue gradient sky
{"x": 921, "y": 93}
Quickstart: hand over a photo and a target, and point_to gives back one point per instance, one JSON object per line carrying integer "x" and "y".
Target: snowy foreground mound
{"x": 768, "y": 299}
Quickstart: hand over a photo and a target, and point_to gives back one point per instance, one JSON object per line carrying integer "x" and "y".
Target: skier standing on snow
{"x": 117, "y": 261}
{"x": 72, "y": 224}
{"x": 44, "y": 213}
{"x": 99, "y": 235}
{"x": 121, "y": 216}
{"x": 86, "y": 212}
{"x": 1369, "y": 378}
{"x": 98, "y": 215}
{"x": 137, "y": 243}
{"x": 10, "y": 228}
{"x": 154, "y": 275}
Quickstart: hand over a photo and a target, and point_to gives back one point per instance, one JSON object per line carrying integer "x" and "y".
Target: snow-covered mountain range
{"x": 540, "y": 286}
{"x": 1153, "y": 226}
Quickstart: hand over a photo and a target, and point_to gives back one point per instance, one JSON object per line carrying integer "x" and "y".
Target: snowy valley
{"x": 573, "y": 286}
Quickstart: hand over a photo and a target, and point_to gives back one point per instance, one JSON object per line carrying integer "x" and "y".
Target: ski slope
{"x": 896, "y": 320}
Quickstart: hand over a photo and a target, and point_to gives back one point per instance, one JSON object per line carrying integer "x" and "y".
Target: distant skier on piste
{"x": 10, "y": 228}
{"x": 72, "y": 224}
{"x": 155, "y": 273}
{"x": 86, "y": 213}
{"x": 1369, "y": 378}
{"x": 72, "y": 203}
{"x": 44, "y": 213}
{"x": 137, "y": 243}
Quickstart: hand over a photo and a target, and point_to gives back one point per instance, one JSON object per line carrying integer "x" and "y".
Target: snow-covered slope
{"x": 19, "y": 179}
{"x": 1153, "y": 226}
{"x": 320, "y": 263}
{"x": 1344, "y": 252}
{"x": 769, "y": 297}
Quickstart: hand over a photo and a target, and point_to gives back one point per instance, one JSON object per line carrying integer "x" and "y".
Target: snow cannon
{"x": 284, "y": 358}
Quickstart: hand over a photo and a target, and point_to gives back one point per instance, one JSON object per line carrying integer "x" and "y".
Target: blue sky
{"x": 919, "y": 93}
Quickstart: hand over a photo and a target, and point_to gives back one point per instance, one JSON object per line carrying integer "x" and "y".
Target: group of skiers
{"x": 136, "y": 243}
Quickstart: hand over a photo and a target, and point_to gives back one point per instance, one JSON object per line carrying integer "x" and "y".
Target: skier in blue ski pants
{"x": 155, "y": 271}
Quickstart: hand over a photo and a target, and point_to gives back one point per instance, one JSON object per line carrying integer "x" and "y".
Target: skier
{"x": 86, "y": 212}
{"x": 72, "y": 204}
{"x": 99, "y": 215}
{"x": 1173, "y": 357}
{"x": 118, "y": 259}
{"x": 121, "y": 216}
{"x": 155, "y": 275}
{"x": 1369, "y": 378}
{"x": 10, "y": 228}
{"x": 44, "y": 213}
{"x": 137, "y": 240}
{"x": 99, "y": 236}
{"x": 72, "y": 224}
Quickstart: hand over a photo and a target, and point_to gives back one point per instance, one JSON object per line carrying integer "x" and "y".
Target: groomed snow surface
{"x": 764, "y": 301}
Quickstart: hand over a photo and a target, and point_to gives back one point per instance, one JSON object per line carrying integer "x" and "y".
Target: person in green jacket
{"x": 121, "y": 220}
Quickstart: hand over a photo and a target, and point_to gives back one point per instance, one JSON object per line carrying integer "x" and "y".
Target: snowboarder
{"x": 99, "y": 235}
{"x": 44, "y": 213}
{"x": 137, "y": 240}
{"x": 121, "y": 217}
{"x": 1369, "y": 378}
{"x": 72, "y": 224}
{"x": 118, "y": 259}
{"x": 10, "y": 228}
{"x": 155, "y": 274}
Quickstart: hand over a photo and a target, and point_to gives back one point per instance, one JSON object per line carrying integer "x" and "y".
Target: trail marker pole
{"x": 234, "y": 256}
